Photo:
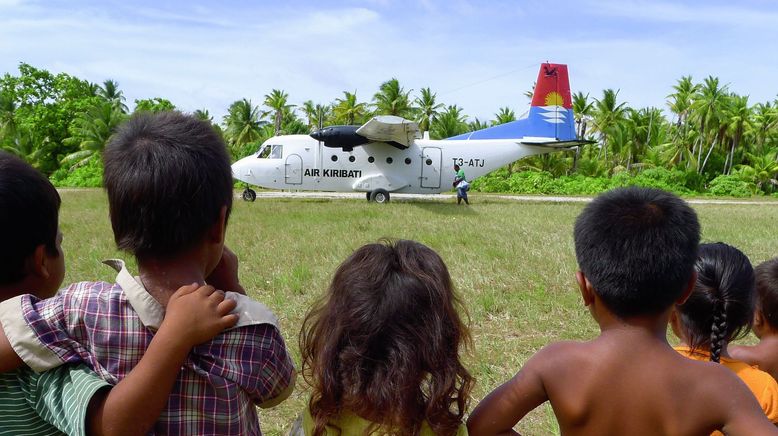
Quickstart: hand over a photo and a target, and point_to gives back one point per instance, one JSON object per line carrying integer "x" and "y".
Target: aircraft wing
{"x": 390, "y": 129}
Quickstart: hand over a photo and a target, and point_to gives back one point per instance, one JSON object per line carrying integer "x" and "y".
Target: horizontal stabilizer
{"x": 390, "y": 129}
{"x": 558, "y": 144}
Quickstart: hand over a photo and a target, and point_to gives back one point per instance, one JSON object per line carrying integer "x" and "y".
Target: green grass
{"x": 512, "y": 263}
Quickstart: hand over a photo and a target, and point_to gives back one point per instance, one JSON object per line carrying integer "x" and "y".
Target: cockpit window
{"x": 268, "y": 151}
{"x": 263, "y": 152}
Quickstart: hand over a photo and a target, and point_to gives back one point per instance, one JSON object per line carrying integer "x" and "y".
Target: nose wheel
{"x": 249, "y": 195}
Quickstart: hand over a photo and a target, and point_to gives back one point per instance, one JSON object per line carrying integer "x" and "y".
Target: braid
{"x": 718, "y": 331}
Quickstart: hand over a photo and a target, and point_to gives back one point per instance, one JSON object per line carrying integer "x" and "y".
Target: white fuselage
{"x": 425, "y": 167}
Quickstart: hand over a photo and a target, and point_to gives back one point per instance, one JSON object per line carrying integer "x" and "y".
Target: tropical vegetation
{"x": 707, "y": 140}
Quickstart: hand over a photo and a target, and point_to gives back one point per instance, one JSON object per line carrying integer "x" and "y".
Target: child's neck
{"x": 642, "y": 328}
{"x": 162, "y": 277}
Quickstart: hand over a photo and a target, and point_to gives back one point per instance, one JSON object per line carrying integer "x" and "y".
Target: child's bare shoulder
{"x": 562, "y": 355}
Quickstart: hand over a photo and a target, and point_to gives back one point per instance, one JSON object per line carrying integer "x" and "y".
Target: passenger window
{"x": 351, "y": 158}
{"x": 371, "y": 159}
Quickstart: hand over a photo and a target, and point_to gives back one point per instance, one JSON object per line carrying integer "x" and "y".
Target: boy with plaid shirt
{"x": 169, "y": 187}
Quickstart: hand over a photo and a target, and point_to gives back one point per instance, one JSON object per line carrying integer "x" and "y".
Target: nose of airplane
{"x": 317, "y": 135}
{"x": 241, "y": 170}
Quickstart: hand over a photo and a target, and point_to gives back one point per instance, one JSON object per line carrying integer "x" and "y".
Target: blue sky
{"x": 481, "y": 55}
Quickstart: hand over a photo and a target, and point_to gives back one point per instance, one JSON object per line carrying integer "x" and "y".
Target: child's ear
{"x": 587, "y": 293}
{"x": 689, "y": 288}
{"x": 37, "y": 263}
{"x": 675, "y": 323}
{"x": 218, "y": 230}
{"x": 758, "y": 322}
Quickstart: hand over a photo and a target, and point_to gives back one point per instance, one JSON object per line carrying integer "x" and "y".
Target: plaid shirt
{"x": 109, "y": 326}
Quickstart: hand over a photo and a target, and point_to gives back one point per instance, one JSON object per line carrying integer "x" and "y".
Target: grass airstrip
{"x": 511, "y": 262}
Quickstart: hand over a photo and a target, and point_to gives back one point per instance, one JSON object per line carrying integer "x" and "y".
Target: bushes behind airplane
{"x": 680, "y": 182}
{"x": 89, "y": 175}
{"x": 523, "y": 182}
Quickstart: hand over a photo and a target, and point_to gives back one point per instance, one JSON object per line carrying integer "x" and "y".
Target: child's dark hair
{"x": 29, "y": 215}
{"x": 767, "y": 291}
{"x": 167, "y": 176}
{"x": 721, "y": 307}
{"x": 637, "y": 247}
{"x": 385, "y": 340}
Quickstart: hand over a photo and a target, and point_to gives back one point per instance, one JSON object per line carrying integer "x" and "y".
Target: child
{"x": 718, "y": 311}
{"x": 169, "y": 186}
{"x": 636, "y": 249}
{"x": 72, "y": 399}
{"x": 765, "y": 353}
{"x": 381, "y": 349}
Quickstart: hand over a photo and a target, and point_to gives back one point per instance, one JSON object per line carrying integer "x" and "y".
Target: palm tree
{"x": 347, "y": 110}
{"x": 607, "y": 115}
{"x": 203, "y": 114}
{"x": 708, "y": 106}
{"x": 739, "y": 117}
{"x": 765, "y": 121}
{"x": 315, "y": 114}
{"x": 291, "y": 124}
{"x": 110, "y": 92}
{"x": 582, "y": 108}
{"x": 392, "y": 99}
{"x": 504, "y": 115}
{"x": 477, "y": 125}
{"x": 762, "y": 170}
{"x": 90, "y": 131}
{"x": 243, "y": 126}
{"x": 681, "y": 100}
{"x": 277, "y": 102}
{"x": 450, "y": 123}
{"x": 7, "y": 117}
{"x": 427, "y": 109}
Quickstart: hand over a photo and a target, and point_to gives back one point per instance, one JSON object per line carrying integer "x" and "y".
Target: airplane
{"x": 388, "y": 155}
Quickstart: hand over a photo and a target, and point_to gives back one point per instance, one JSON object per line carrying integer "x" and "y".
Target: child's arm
{"x": 505, "y": 406}
{"x": 194, "y": 315}
{"x": 743, "y": 414}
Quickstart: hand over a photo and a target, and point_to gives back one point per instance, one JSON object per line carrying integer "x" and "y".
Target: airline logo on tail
{"x": 550, "y": 115}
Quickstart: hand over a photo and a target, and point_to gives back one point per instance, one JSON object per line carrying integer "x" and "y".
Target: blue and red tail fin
{"x": 550, "y": 115}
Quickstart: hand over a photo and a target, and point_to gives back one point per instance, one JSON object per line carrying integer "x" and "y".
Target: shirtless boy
{"x": 636, "y": 249}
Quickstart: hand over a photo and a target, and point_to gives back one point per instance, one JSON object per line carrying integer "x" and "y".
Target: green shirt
{"x": 461, "y": 174}
{"x": 50, "y": 403}
{"x": 351, "y": 424}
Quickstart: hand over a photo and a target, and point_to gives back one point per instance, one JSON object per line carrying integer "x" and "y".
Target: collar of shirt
{"x": 151, "y": 312}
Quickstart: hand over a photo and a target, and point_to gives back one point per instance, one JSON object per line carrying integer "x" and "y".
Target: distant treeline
{"x": 710, "y": 139}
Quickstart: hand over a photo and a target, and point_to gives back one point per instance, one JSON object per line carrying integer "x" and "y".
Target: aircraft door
{"x": 293, "y": 170}
{"x": 430, "y": 167}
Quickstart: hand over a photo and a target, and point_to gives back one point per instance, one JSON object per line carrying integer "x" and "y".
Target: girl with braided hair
{"x": 718, "y": 311}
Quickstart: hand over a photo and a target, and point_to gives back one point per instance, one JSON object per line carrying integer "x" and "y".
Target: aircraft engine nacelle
{"x": 344, "y": 137}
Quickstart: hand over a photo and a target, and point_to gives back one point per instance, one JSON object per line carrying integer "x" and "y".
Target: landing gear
{"x": 380, "y": 196}
{"x": 249, "y": 194}
{"x": 367, "y": 194}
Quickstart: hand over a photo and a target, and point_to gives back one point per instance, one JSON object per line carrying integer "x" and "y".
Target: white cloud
{"x": 642, "y": 10}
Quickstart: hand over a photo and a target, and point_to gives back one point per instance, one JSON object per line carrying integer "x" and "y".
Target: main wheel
{"x": 380, "y": 196}
{"x": 249, "y": 195}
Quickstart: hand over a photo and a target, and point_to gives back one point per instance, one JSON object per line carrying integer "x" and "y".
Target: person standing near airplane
{"x": 460, "y": 182}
